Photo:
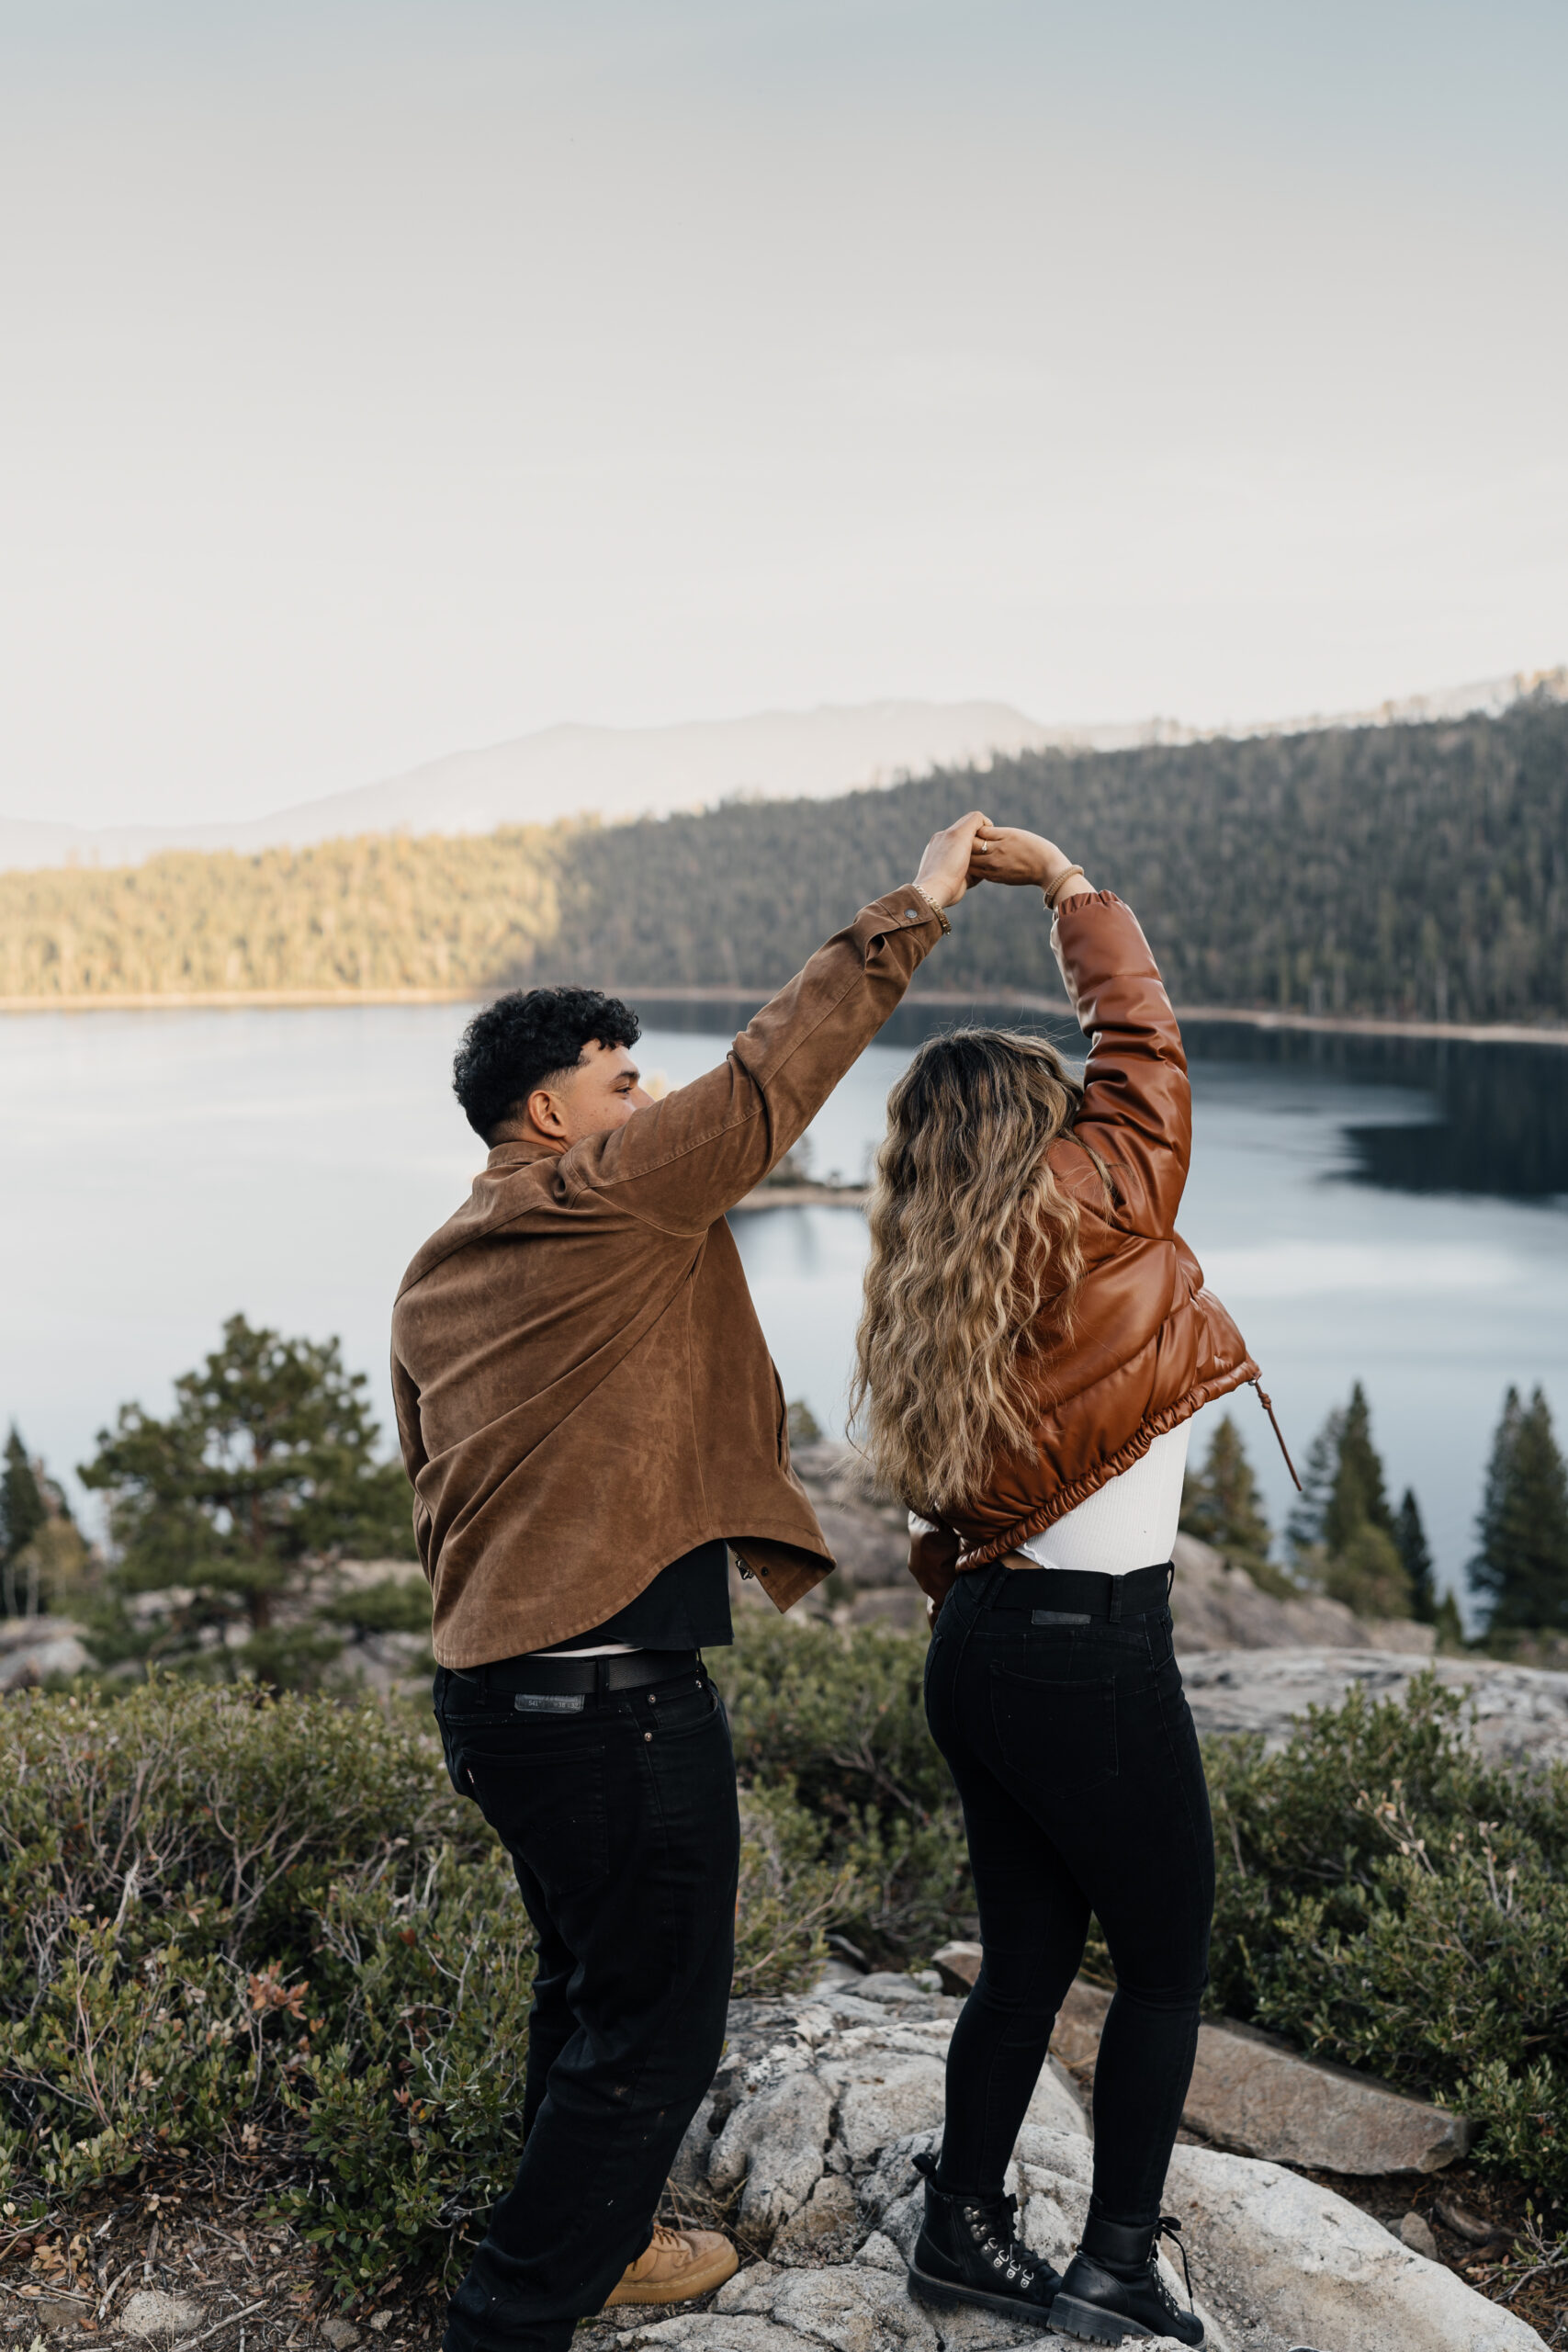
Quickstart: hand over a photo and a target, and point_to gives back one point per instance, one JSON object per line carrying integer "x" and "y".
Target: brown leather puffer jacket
{"x": 1149, "y": 1344}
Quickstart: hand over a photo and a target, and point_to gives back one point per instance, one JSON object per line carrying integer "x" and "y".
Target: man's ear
{"x": 543, "y": 1114}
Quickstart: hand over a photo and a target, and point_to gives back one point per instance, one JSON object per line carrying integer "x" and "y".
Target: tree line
{"x": 1419, "y": 872}
{"x": 1345, "y": 1539}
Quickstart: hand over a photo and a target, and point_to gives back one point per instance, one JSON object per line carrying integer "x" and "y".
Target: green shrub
{"x": 1388, "y": 1899}
{"x": 840, "y": 1725}
{"x": 164, "y": 1858}
{"x": 267, "y": 1928}
{"x": 410, "y": 2111}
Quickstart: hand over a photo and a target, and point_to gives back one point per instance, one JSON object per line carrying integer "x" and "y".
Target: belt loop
{"x": 484, "y": 1686}
{"x": 1114, "y": 1610}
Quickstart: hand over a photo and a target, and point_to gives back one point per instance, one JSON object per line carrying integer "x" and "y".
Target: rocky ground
{"x": 802, "y": 2150}
{"x": 805, "y": 2144}
{"x": 1519, "y": 1714}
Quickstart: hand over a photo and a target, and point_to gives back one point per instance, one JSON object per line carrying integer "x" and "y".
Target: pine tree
{"x": 1411, "y": 1538}
{"x": 266, "y": 1464}
{"x": 1304, "y": 1528}
{"x": 1368, "y": 1575}
{"x": 1342, "y": 1532}
{"x": 1357, "y": 1498}
{"x": 23, "y": 1511}
{"x": 1448, "y": 1626}
{"x": 1220, "y": 1505}
{"x": 1521, "y": 1566}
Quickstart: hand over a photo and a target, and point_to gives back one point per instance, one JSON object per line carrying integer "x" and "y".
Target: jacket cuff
{"x": 904, "y": 910}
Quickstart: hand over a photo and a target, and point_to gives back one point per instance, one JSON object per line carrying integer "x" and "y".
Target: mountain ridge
{"x": 572, "y": 770}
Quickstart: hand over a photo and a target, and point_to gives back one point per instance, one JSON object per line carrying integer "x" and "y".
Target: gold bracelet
{"x": 1058, "y": 885}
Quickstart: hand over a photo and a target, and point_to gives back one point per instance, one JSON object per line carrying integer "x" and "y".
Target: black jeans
{"x": 1076, "y": 1760}
{"x": 622, "y": 1826}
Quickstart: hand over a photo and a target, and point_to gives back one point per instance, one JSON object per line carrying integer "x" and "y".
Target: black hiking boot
{"x": 966, "y": 2252}
{"x": 1113, "y": 2293}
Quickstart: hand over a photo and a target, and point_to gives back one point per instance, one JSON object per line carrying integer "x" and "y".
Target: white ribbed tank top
{"x": 1130, "y": 1522}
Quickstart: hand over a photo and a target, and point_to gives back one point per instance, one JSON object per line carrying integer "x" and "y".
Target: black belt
{"x": 1077, "y": 1596}
{"x": 628, "y": 1671}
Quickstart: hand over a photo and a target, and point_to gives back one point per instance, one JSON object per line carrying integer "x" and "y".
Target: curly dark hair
{"x": 523, "y": 1040}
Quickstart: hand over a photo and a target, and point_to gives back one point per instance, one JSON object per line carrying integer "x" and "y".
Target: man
{"x": 588, "y": 1414}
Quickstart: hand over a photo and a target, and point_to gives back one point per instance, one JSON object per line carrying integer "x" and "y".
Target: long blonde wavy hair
{"x": 971, "y": 1238}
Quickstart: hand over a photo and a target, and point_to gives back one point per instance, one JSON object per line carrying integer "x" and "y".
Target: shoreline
{"x": 804, "y": 1196}
{"x": 1502, "y": 1032}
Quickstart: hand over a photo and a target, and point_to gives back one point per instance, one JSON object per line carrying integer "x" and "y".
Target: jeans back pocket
{"x": 1054, "y": 1734}
{"x": 546, "y": 1805}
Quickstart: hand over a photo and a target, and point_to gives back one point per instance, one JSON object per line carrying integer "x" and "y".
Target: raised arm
{"x": 1138, "y": 1107}
{"x": 682, "y": 1162}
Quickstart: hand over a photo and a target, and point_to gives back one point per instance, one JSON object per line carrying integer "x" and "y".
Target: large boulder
{"x": 1216, "y": 1606}
{"x": 1316, "y": 2270}
{"x": 1251, "y": 2093}
{"x": 32, "y": 1648}
{"x": 1521, "y": 1713}
{"x": 812, "y": 2156}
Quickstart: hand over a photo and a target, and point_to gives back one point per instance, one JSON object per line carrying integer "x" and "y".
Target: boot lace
{"x": 1170, "y": 2227}
{"x": 991, "y": 2233}
{"x": 989, "y": 2225}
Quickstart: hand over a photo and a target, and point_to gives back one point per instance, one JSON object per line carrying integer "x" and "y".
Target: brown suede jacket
{"x": 583, "y": 1387}
{"x": 1148, "y": 1344}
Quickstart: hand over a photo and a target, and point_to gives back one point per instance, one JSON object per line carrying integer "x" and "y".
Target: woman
{"x": 1034, "y": 1343}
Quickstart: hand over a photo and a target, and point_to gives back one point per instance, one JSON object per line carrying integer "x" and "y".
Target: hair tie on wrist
{"x": 1058, "y": 885}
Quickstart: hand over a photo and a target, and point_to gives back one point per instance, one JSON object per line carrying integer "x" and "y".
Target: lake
{"x": 1390, "y": 1210}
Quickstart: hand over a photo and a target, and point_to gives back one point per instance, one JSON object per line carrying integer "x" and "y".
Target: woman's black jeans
{"x": 1076, "y": 1760}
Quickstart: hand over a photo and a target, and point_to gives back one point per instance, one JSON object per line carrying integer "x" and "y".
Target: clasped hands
{"x": 973, "y": 850}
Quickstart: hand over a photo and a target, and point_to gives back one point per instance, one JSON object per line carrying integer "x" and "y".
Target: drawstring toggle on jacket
{"x": 1263, "y": 1398}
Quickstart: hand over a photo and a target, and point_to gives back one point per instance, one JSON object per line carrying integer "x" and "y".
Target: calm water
{"x": 1393, "y": 1211}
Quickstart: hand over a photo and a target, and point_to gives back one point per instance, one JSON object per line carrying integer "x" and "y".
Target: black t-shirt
{"x": 686, "y": 1608}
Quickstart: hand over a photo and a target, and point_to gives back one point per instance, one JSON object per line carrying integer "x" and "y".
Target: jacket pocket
{"x": 1054, "y": 1734}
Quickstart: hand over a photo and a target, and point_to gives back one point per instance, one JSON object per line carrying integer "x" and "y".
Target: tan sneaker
{"x": 678, "y": 2265}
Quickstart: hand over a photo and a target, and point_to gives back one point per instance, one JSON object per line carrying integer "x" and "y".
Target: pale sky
{"x": 378, "y": 380}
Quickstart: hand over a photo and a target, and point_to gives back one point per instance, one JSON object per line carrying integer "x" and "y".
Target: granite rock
{"x": 827, "y": 2228}
{"x": 33, "y": 1648}
{"x": 1314, "y": 2269}
{"x": 958, "y": 1965}
{"x": 812, "y": 2096}
{"x": 774, "y": 2141}
{"x": 159, "y": 2317}
{"x": 1250, "y": 2093}
{"x": 1519, "y": 1712}
{"x": 1416, "y": 2232}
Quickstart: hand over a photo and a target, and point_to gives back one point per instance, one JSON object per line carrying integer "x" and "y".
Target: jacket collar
{"x": 517, "y": 1154}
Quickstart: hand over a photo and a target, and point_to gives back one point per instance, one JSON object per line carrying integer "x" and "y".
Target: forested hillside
{"x": 1413, "y": 871}
{"x": 383, "y": 911}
